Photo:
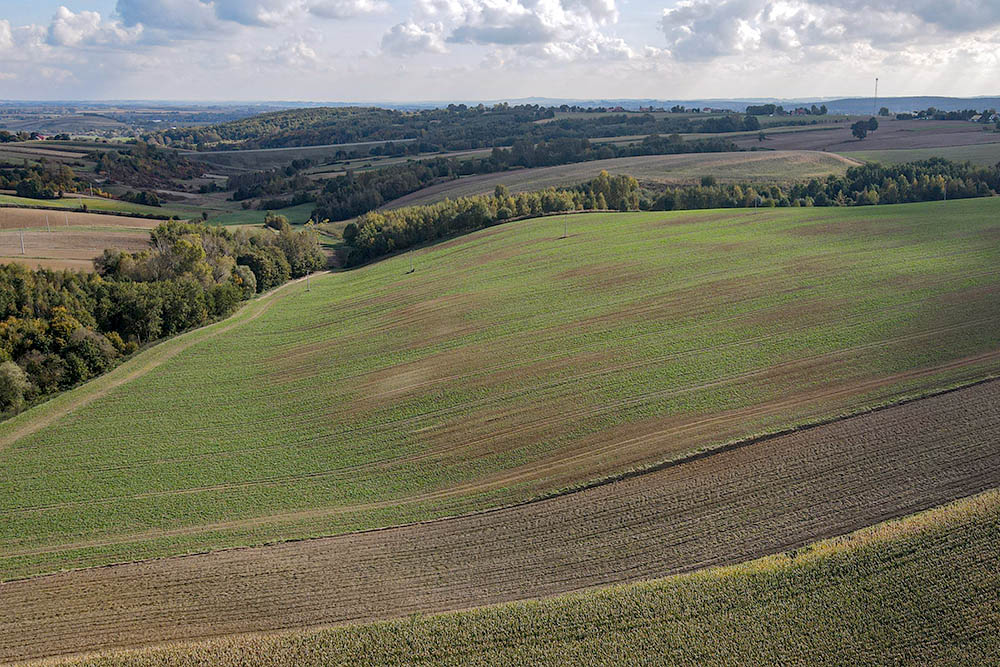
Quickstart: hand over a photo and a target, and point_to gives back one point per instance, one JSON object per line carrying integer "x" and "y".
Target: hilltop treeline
{"x": 46, "y": 180}
{"x": 144, "y": 165}
{"x": 867, "y": 185}
{"x": 353, "y": 194}
{"x": 381, "y": 233}
{"x": 60, "y": 328}
{"x": 457, "y": 127}
{"x": 931, "y": 113}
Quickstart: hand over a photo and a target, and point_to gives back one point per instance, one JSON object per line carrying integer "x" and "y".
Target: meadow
{"x": 750, "y": 167}
{"x": 509, "y": 364}
{"x": 921, "y": 590}
{"x": 297, "y": 215}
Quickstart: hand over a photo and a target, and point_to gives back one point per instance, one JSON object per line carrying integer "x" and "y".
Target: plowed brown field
{"x": 67, "y": 239}
{"x": 756, "y": 498}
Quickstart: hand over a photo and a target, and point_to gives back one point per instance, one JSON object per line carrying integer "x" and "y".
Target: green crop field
{"x": 922, "y": 590}
{"x": 510, "y": 363}
{"x": 986, "y": 155}
{"x": 741, "y": 167}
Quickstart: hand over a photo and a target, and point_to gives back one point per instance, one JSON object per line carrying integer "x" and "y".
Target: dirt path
{"x": 62, "y": 405}
{"x": 767, "y": 496}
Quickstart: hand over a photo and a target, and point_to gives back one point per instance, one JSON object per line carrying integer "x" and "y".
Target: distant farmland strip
{"x": 764, "y": 497}
{"x": 751, "y": 167}
{"x": 985, "y": 155}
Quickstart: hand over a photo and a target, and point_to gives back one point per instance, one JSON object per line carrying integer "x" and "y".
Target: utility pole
{"x": 47, "y": 228}
{"x": 22, "y": 241}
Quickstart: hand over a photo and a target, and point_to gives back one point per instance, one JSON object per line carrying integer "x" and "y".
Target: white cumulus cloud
{"x": 69, "y": 29}
{"x": 559, "y": 29}
{"x": 406, "y": 39}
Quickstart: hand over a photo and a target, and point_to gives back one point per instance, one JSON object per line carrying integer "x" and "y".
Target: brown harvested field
{"x": 756, "y": 498}
{"x": 756, "y": 167}
{"x": 25, "y": 218}
{"x": 70, "y": 247}
{"x": 892, "y": 134}
{"x": 34, "y": 150}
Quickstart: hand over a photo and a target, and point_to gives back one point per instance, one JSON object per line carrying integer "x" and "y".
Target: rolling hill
{"x": 509, "y": 364}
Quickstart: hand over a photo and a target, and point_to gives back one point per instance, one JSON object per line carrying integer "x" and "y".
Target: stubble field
{"x": 67, "y": 239}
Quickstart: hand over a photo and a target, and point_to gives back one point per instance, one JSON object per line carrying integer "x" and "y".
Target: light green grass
{"x": 297, "y": 215}
{"x": 981, "y": 154}
{"x": 99, "y": 204}
{"x": 504, "y": 352}
{"x": 922, "y": 590}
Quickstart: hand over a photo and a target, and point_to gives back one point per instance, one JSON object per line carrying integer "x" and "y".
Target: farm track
{"x": 161, "y": 352}
{"x": 762, "y": 497}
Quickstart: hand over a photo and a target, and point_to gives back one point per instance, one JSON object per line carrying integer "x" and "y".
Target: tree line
{"x": 383, "y": 232}
{"x": 778, "y": 110}
{"x": 60, "y": 328}
{"x": 46, "y": 180}
{"x": 866, "y": 185}
{"x": 356, "y": 193}
{"x": 380, "y": 233}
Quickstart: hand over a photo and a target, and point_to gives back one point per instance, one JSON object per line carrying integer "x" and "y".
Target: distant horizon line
{"x": 527, "y": 99}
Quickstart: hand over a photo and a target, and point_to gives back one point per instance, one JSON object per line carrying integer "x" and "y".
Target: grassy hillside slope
{"x": 510, "y": 363}
{"x": 756, "y": 167}
{"x": 921, "y": 590}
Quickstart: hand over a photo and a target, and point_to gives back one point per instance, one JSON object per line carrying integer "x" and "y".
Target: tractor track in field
{"x": 754, "y": 498}
{"x": 159, "y": 353}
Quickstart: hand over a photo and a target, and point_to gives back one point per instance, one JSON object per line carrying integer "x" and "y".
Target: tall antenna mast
{"x": 875, "y": 102}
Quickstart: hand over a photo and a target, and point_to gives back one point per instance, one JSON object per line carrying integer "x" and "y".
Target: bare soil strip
{"x": 770, "y": 495}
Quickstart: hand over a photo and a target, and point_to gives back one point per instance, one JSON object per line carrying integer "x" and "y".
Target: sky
{"x": 420, "y": 50}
